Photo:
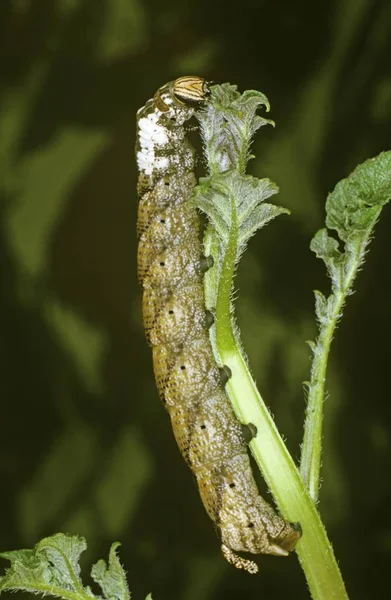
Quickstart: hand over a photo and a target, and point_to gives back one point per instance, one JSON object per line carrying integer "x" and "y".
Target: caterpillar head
{"x": 185, "y": 92}
{"x": 190, "y": 90}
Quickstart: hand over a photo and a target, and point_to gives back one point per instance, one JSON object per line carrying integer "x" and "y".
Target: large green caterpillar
{"x": 170, "y": 267}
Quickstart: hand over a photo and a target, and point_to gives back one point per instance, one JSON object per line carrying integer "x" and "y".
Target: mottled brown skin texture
{"x": 170, "y": 269}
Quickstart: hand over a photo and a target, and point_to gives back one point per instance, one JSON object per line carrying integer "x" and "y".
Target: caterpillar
{"x": 171, "y": 265}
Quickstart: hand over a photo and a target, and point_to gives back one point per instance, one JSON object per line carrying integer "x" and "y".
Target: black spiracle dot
{"x": 206, "y": 263}
{"x": 183, "y": 367}
{"x": 249, "y": 432}
{"x": 162, "y": 220}
{"x": 209, "y": 319}
{"x": 232, "y": 485}
{"x": 250, "y": 525}
{"x": 171, "y": 312}
{"x": 162, "y": 263}
{"x": 225, "y": 374}
{"x": 203, "y": 426}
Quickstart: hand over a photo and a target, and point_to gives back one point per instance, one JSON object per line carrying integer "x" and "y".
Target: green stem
{"x": 314, "y": 549}
{"x": 312, "y": 441}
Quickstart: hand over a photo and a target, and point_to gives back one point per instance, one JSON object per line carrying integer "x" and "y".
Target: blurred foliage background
{"x": 85, "y": 444}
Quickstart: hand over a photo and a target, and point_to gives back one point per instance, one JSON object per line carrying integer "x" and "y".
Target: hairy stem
{"x": 312, "y": 442}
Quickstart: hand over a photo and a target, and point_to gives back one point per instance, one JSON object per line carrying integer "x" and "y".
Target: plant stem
{"x": 312, "y": 442}
{"x": 314, "y": 549}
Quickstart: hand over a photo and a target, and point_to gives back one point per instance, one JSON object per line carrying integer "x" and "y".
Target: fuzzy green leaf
{"x": 52, "y": 567}
{"x": 63, "y": 554}
{"x": 327, "y": 248}
{"x": 228, "y": 195}
{"x": 111, "y": 578}
{"x": 227, "y": 125}
{"x": 28, "y": 572}
{"x": 213, "y": 196}
{"x": 355, "y": 204}
{"x": 352, "y": 210}
{"x": 320, "y": 307}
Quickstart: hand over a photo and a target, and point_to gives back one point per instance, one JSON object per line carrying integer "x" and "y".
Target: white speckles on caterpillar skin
{"x": 151, "y": 136}
{"x": 170, "y": 269}
{"x": 148, "y": 162}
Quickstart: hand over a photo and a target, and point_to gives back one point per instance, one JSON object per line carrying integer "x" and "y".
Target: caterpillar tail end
{"x": 239, "y": 562}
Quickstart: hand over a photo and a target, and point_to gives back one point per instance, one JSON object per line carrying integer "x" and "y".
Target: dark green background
{"x": 85, "y": 444}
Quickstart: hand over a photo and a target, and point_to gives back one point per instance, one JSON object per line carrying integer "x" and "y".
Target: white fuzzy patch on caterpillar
{"x": 152, "y": 135}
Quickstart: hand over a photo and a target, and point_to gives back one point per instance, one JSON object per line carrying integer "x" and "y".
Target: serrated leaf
{"x": 52, "y": 567}
{"x": 320, "y": 306}
{"x": 222, "y": 96}
{"x": 355, "y": 204}
{"x": 111, "y": 577}
{"x": 213, "y": 204}
{"x": 213, "y": 196}
{"x": 227, "y": 125}
{"x": 259, "y": 217}
{"x": 63, "y": 554}
{"x": 327, "y": 248}
{"x": 243, "y": 116}
{"x": 21, "y": 555}
{"x": 27, "y": 572}
{"x": 352, "y": 210}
